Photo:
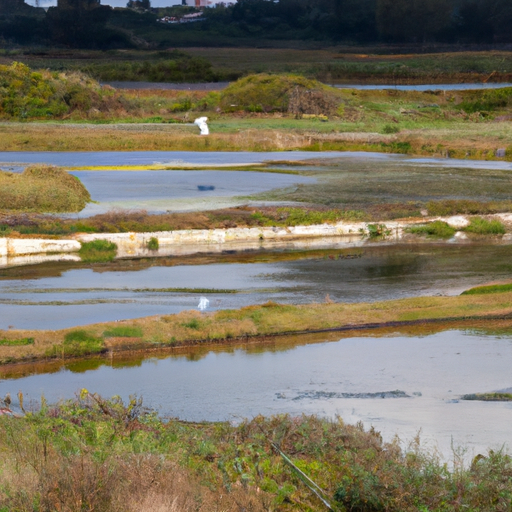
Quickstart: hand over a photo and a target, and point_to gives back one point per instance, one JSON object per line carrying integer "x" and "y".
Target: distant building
{"x": 200, "y": 3}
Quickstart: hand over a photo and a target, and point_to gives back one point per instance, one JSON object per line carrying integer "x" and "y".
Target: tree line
{"x": 87, "y": 23}
{"x": 411, "y": 21}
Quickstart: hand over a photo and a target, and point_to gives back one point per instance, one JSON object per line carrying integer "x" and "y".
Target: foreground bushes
{"x": 91, "y": 453}
{"x": 42, "y": 188}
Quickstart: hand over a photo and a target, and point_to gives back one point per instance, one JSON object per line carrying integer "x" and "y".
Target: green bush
{"x": 98, "y": 251}
{"x": 376, "y": 231}
{"x": 482, "y": 226}
{"x": 436, "y": 229}
{"x": 26, "y": 94}
{"x": 153, "y": 244}
{"x": 487, "y": 101}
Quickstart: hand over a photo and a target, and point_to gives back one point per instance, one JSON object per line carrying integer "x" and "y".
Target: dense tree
{"x": 78, "y": 23}
{"x": 412, "y": 20}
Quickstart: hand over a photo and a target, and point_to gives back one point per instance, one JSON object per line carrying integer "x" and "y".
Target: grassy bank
{"x": 42, "y": 188}
{"x": 91, "y": 453}
{"x": 226, "y": 326}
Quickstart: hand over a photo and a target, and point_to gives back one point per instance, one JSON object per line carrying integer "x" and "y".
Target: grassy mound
{"x": 280, "y": 93}
{"x": 42, "y": 188}
{"x": 28, "y": 94}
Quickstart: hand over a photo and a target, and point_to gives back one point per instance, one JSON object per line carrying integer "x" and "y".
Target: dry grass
{"x": 459, "y": 140}
{"x": 193, "y": 327}
{"x": 42, "y": 188}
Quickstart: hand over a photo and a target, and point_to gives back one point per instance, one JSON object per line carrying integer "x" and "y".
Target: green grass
{"x": 489, "y": 397}
{"x": 493, "y": 288}
{"x": 288, "y": 216}
{"x": 467, "y": 207}
{"x": 123, "y": 332}
{"x": 436, "y": 229}
{"x": 77, "y": 343}
{"x": 16, "y": 342}
{"x": 98, "y": 251}
{"x": 481, "y": 226}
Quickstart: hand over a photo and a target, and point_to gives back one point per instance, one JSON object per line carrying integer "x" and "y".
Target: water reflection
{"x": 397, "y": 383}
{"x": 56, "y": 296}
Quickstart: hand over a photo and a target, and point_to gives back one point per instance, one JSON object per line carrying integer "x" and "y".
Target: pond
{"x": 402, "y": 385}
{"x": 60, "y": 295}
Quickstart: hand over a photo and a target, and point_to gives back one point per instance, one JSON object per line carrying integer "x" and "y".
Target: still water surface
{"x": 322, "y": 377}
{"x": 55, "y": 296}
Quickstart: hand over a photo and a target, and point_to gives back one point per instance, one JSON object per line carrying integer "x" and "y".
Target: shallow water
{"x": 325, "y": 377}
{"x": 160, "y": 191}
{"x": 55, "y": 296}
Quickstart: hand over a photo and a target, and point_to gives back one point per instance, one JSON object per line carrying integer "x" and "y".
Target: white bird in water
{"x": 203, "y": 303}
{"x": 203, "y": 127}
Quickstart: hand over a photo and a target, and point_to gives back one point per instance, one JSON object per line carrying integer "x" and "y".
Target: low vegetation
{"x": 153, "y": 244}
{"x": 16, "y": 342}
{"x": 42, "y": 188}
{"x": 124, "y": 331}
{"x": 436, "y": 229}
{"x": 480, "y": 226}
{"x": 252, "y": 322}
{"x": 489, "y": 397}
{"x": 292, "y": 94}
{"x": 91, "y": 453}
{"x": 492, "y": 288}
{"x": 98, "y": 251}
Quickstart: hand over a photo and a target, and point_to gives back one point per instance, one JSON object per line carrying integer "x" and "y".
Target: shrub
{"x": 482, "y": 226}
{"x": 487, "y": 101}
{"x": 153, "y": 244}
{"x": 98, "y": 251}
{"x": 27, "y": 94}
{"x": 436, "y": 229}
{"x": 376, "y": 231}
